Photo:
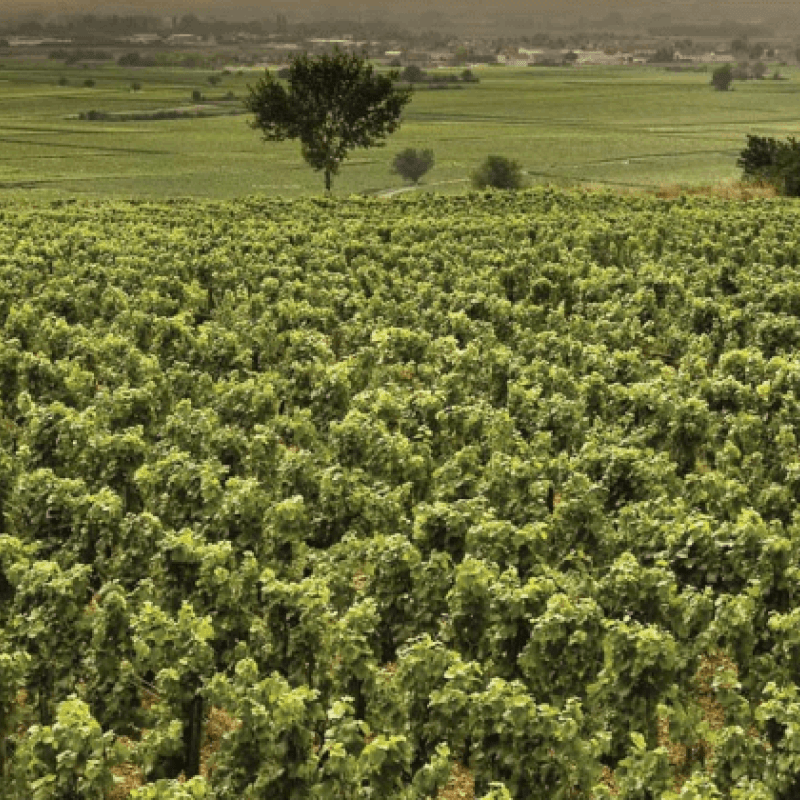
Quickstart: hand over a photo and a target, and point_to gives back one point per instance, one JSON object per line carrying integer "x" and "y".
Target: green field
{"x": 628, "y": 127}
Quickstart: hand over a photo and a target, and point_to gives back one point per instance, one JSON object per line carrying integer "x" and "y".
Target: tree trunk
{"x": 193, "y": 737}
{"x": 3, "y": 758}
{"x": 328, "y": 181}
{"x": 45, "y": 700}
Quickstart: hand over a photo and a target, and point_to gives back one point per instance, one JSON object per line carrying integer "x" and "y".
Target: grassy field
{"x": 628, "y": 127}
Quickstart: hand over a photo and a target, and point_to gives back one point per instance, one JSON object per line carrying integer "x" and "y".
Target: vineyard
{"x": 326, "y": 499}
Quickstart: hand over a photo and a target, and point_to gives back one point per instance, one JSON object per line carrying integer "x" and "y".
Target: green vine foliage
{"x": 390, "y": 486}
{"x": 68, "y": 760}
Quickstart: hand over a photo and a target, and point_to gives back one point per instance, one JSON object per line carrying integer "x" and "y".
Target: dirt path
{"x": 402, "y": 189}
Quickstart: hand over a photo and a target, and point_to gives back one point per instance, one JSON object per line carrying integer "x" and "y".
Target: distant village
{"x": 276, "y": 41}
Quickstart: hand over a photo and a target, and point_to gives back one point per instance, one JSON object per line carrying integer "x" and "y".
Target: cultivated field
{"x": 337, "y": 499}
{"x": 627, "y": 127}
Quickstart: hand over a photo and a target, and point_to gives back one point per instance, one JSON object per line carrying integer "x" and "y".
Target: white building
{"x": 716, "y": 58}
{"x": 184, "y": 38}
{"x": 143, "y": 38}
{"x": 513, "y": 61}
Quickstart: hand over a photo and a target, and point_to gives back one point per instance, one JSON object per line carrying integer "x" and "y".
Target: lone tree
{"x": 334, "y": 104}
{"x": 412, "y": 164}
{"x": 722, "y": 77}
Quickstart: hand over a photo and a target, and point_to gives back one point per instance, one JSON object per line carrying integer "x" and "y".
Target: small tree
{"x": 197, "y": 96}
{"x": 664, "y": 55}
{"x": 88, "y": 83}
{"x": 412, "y": 73}
{"x": 722, "y": 77}
{"x": 130, "y": 60}
{"x": 740, "y": 46}
{"x": 334, "y": 104}
{"x": 759, "y": 70}
{"x": 412, "y": 164}
{"x": 498, "y": 172}
{"x": 760, "y": 155}
{"x": 136, "y": 86}
{"x": 772, "y": 161}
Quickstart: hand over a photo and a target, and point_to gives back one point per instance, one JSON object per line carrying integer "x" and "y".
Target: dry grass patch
{"x": 461, "y": 785}
{"x": 219, "y": 723}
{"x": 128, "y": 775}
{"x": 725, "y": 190}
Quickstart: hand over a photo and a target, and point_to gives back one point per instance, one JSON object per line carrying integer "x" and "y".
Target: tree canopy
{"x": 498, "y": 172}
{"x": 412, "y": 164}
{"x": 772, "y": 161}
{"x": 333, "y": 104}
{"x": 722, "y": 77}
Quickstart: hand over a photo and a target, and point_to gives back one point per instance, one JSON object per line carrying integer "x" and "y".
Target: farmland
{"x": 328, "y": 498}
{"x": 632, "y": 128}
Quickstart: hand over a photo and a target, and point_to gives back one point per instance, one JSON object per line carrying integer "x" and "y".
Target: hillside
{"x": 326, "y": 498}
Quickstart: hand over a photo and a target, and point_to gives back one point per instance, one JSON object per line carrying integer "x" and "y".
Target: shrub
{"x": 412, "y": 74}
{"x": 214, "y": 79}
{"x": 88, "y": 83}
{"x": 498, "y": 172}
{"x": 130, "y": 60}
{"x": 759, "y": 155}
{"x": 722, "y": 77}
{"x": 412, "y": 164}
{"x": 136, "y": 60}
{"x": 136, "y": 86}
{"x": 774, "y": 162}
{"x": 197, "y": 96}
